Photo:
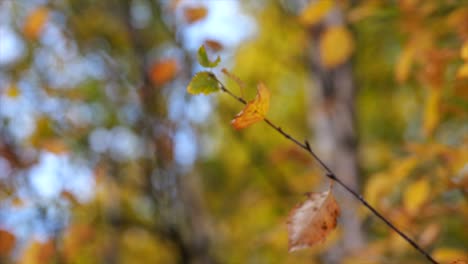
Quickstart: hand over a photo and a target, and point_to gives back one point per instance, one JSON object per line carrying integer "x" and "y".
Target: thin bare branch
{"x": 331, "y": 175}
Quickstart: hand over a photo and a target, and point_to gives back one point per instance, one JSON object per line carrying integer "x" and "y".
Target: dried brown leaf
{"x": 312, "y": 220}
{"x": 429, "y": 235}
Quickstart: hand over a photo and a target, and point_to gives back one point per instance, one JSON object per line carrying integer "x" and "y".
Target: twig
{"x": 331, "y": 175}
{"x": 239, "y": 82}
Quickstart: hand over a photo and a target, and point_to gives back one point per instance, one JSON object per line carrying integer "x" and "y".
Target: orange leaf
{"x": 35, "y": 22}
{"x": 213, "y": 45}
{"x": 46, "y": 252}
{"x": 311, "y": 221}
{"x": 193, "y": 14}
{"x": 69, "y": 196}
{"x": 54, "y": 145}
{"x": 255, "y": 110}
{"x": 163, "y": 71}
{"x": 76, "y": 237}
{"x": 7, "y": 242}
{"x": 336, "y": 46}
{"x": 38, "y": 252}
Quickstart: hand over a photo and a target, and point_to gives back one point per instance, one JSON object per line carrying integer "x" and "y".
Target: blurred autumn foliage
{"x": 104, "y": 157}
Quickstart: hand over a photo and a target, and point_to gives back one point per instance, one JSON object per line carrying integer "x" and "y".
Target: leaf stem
{"x": 331, "y": 175}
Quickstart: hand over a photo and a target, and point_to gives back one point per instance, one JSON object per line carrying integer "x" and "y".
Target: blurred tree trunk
{"x": 181, "y": 215}
{"x": 333, "y": 119}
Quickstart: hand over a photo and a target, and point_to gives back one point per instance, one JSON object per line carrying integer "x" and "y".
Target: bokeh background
{"x": 104, "y": 157}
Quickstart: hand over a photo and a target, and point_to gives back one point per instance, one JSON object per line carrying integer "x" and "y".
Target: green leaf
{"x": 203, "y": 82}
{"x": 204, "y": 60}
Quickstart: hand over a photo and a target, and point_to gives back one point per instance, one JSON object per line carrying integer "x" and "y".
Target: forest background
{"x": 105, "y": 158}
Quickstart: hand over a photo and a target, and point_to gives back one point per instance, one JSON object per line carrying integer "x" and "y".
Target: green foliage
{"x": 203, "y": 82}
{"x": 203, "y": 59}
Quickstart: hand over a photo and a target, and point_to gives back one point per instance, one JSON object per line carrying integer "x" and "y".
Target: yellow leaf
{"x": 313, "y": 220}
{"x": 17, "y": 202}
{"x": 138, "y": 246}
{"x": 397, "y": 244}
{"x": 464, "y": 51}
{"x": 194, "y": 14}
{"x": 75, "y": 237}
{"x": 44, "y": 129}
{"x": 13, "y": 91}
{"x": 431, "y": 112}
{"x": 377, "y": 188}
{"x": 35, "y": 22}
{"x": 449, "y": 255}
{"x": 403, "y": 66}
{"x": 255, "y": 110}
{"x": 416, "y": 195}
{"x": 402, "y": 168}
{"x": 463, "y": 71}
{"x": 336, "y": 46}
{"x": 315, "y": 11}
